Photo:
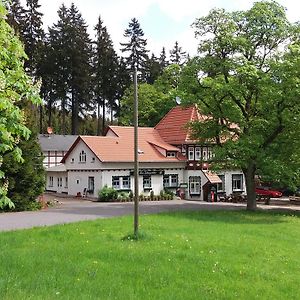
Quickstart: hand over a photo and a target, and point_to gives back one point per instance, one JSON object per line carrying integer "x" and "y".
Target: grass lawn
{"x": 191, "y": 255}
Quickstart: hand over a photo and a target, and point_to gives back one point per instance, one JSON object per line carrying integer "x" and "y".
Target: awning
{"x": 213, "y": 178}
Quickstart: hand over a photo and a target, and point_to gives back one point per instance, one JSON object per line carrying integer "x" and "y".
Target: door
{"x": 91, "y": 185}
{"x": 195, "y": 185}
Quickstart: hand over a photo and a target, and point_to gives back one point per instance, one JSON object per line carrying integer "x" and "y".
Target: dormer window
{"x": 140, "y": 151}
{"x": 171, "y": 154}
{"x": 82, "y": 157}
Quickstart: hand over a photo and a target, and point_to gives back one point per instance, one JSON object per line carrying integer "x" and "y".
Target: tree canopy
{"x": 246, "y": 79}
{"x": 15, "y": 86}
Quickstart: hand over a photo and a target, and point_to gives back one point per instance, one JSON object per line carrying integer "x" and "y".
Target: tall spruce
{"x": 136, "y": 48}
{"x": 163, "y": 59}
{"x": 177, "y": 55}
{"x": 154, "y": 69}
{"x": 33, "y": 36}
{"x": 71, "y": 52}
{"x": 16, "y": 16}
{"x": 105, "y": 68}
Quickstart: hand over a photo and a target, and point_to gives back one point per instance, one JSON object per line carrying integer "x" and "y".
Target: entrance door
{"x": 91, "y": 185}
{"x": 195, "y": 185}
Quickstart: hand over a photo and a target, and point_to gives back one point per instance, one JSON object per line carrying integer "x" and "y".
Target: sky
{"x": 163, "y": 21}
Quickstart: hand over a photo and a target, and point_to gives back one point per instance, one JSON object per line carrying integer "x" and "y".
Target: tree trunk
{"x": 41, "y": 118}
{"x": 249, "y": 173}
{"x": 103, "y": 117}
{"x": 63, "y": 116}
{"x": 75, "y": 110}
{"x": 99, "y": 122}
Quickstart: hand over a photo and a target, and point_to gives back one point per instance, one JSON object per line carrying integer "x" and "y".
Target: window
{"x": 237, "y": 182}
{"x": 171, "y": 154}
{"x": 116, "y": 182}
{"x": 221, "y": 186}
{"x": 146, "y": 181}
{"x": 170, "y": 180}
{"x": 121, "y": 182}
{"x": 197, "y": 153}
{"x": 191, "y": 153}
{"x": 66, "y": 182}
{"x": 93, "y": 159}
{"x": 183, "y": 150}
{"x": 72, "y": 161}
{"x": 82, "y": 157}
{"x": 204, "y": 153}
{"x": 51, "y": 181}
{"x": 195, "y": 185}
{"x": 91, "y": 185}
{"x": 59, "y": 181}
{"x": 209, "y": 153}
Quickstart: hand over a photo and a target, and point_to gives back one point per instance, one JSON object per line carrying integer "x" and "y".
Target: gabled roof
{"x": 121, "y": 148}
{"x": 56, "y": 142}
{"x": 173, "y": 126}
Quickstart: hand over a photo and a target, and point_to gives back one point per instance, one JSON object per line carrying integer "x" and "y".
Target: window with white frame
{"x": 59, "y": 181}
{"x": 170, "y": 180}
{"x": 221, "y": 185}
{"x": 237, "y": 182}
{"x": 66, "y": 182}
{"x": 51, "y": 181}
{"x": 197, "y": 153}
{"x": 121, "y": 182}
{"x": 147, "y": 181}
{"x": 204, "y": 153}
{"x": 183, "y": 150}
{"x": 209, "y": 153}
{"x": 191, "y": 153}
{"x": 195, "y": 185}
{"x": 82, "y": 157}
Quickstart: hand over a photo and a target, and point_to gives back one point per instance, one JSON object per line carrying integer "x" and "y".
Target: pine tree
{"x": 177, "y": 56}
{"x": 70, "y": 51}
{"x": 16, "y": 16}
{"x": 105, "y": 68}
{"x": 163, "y": 59}
{"x": 33, "y": 36}
{"x": 136, "y": 47}
{"x": 154, "y": 69}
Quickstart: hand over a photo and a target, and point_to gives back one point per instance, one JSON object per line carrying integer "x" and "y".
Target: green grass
{"x": 192, "y": 255}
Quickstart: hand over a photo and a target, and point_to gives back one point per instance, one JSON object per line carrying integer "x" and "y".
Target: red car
{"x": 267, "y": 191}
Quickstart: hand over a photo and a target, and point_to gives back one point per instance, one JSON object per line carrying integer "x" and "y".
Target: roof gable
{"x": 173, "y": 126}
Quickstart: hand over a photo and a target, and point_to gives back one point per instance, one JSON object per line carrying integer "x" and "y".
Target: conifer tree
{"x": 33, "y": 36}
{"x": 163, "y": 59}
{"x": 15, "y": 16}
{"x": 154, "y": 69}
{"x": 136, "y": 48}
{"x": 105, "y": 68}
{"x": 177, "y": 56}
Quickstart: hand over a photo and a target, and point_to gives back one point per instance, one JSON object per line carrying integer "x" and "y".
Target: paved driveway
{"x": 73, "y": 210}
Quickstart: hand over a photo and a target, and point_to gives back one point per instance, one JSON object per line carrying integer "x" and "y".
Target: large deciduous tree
{"x": 15, "y": 86}
{"x": 246, "y": 79}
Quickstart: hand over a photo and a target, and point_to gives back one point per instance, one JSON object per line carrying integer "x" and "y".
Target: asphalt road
{"x": 72, "y": 210}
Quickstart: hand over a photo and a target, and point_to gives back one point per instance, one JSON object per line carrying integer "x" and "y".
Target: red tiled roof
{"x": 173, "y": 126}
{"x": 121, "y": 148}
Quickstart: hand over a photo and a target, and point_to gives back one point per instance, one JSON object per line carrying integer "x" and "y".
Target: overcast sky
{"x": 163, "y": 21}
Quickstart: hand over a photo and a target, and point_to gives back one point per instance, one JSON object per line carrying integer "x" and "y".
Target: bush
{"x": 107, "y": 194}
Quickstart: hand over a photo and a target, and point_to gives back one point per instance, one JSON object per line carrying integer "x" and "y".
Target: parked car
{"x": 267, "y": 191}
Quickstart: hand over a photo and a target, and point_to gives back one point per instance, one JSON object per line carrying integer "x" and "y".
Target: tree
{"x": 71, "y": 54}
{"x": 153, "y": 105}
{"x": 33, "y": 36}
{"x": 177, "y": 56}
{"x": 163, "y": 59}
{"x": 105, "y": 65}
{"x": 136, "y": 47}
{"x": 154, "y": 69}
{"x": 246, "y": 80}
{"x": 15, "y": 86}
{"x": 16, "y": 16}
{"x": 26, "y": 180}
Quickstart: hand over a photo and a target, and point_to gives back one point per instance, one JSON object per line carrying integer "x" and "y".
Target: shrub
{"x": 107, "y": 194}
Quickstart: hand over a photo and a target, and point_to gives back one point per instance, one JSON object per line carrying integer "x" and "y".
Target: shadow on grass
{"x": 235, "y": 217}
